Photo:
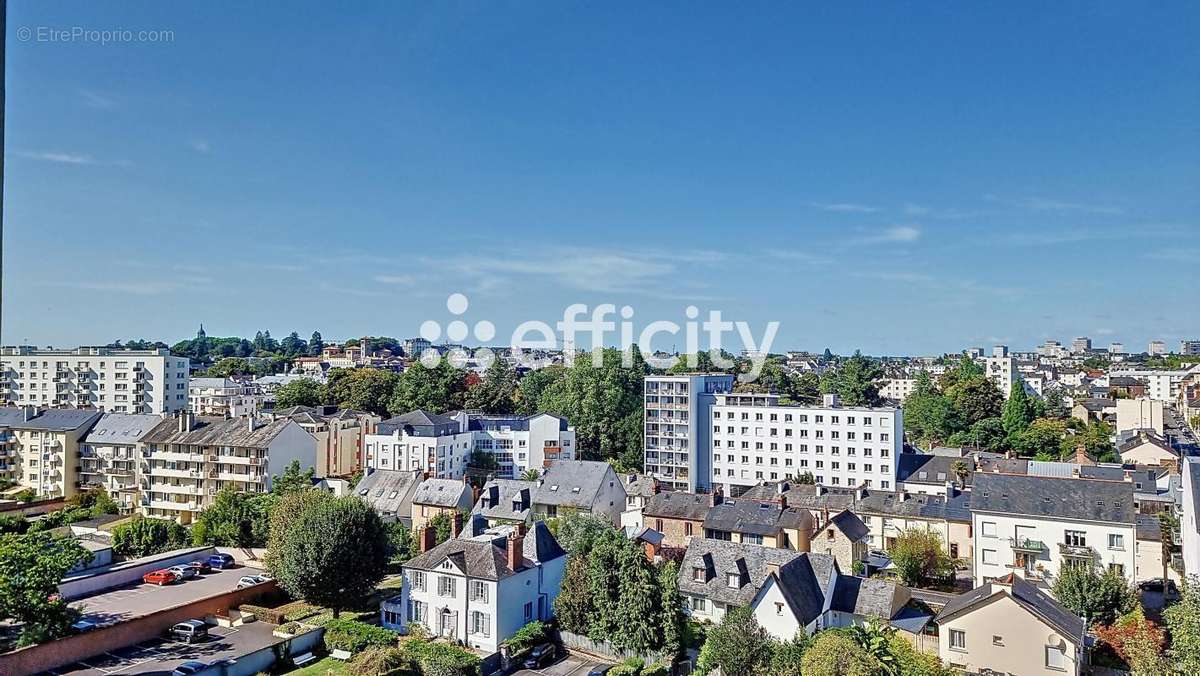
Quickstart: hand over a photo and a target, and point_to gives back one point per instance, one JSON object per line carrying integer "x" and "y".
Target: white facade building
{"x": 756, "y": 439}
{"x": 1002, "y": 371}
{"x": 442, "y": 445}
{"x": 1034, "y": 525}
{"x": 1189, "y": 523}
{"x": 898, "y": 389}
{"x": 1161, "y": 385}
{"x": 1156, "y": 348}
{"x": 110, "y": 456}
{"x": 102, "y": 378}
{"x": 223, "y": 397}
{"x": 677, "y": 423}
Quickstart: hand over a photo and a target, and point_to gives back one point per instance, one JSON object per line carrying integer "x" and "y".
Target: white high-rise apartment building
{"x": 1081, "y": 345}
{"x": 101, "y": 378}
{"x": 678, "y": 410}
{"x": 1001, "y": 369}
{"x": 757, "y": 439}
{"x": 1156, "y": 347}
{"x": 1189, "y": 348}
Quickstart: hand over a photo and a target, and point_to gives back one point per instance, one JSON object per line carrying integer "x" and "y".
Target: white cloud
{"x": 910, "y": 277}
{"x": 798, "y": 256}
{"x": 60, "y": 158}
{"x": 844, "y": 207}
{"x": 896, "y": 233}
{"x": 1104, "y": 331}
{"x": 394, "y": 279}
{"x": 93, "y": 99}
{"x": 201, "y": 146}
{"x": 139, "y": 288}
{"x": 1046, "y": 204}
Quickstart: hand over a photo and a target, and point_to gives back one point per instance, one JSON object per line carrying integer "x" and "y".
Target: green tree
{"x": 638, "y": 606}
{"x": 31, "y": 566}
{"x": 856, "y": 381}
{"x": 1093, "y": 595}
{"x": 531, "y": 474}
{"x": 532, "y": 384}
{"x": 929, "y": 416}
{"x": 673, "y": 620}
{"x": 292, "y": 480}
{"x": 988, "y": 435}
{"x": 1018, "y": 410}
{"x": 787, "y": 657}
{"x": 229, "y": 366}
{"x": 333, "y": 553}
{"x": 919, "y": 558}
{"x": 437, "y": 389}
{"x": 443, "y": 527}
{"x": 361, "y": 389}
{"x": 1183, "y": 622}
{"x": 573, "y": 605}
{"x": 496, "y": 392}
{"x": 316, "y": 344}
{"x": 1042, "y": 436}
{"x": 144, "y": 536}
{"x": 402, "y": 546}
{"x": 300, "y": 392}
{"x": 234, "y": 519}
{"x": 738, "y": 645}
{"x": 834, "y": 652}
{"x": 603, "y": 403}
{"x": 604, "y": 585}
{"x": 975, "y": 399}
{"x": 964, "y": 369}
{"x": 284, "y": 513}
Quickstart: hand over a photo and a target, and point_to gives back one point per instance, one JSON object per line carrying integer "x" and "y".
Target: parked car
{"x": 189, "y": 631}
{"x": 541, "y": 655}
{"x": 249, "y": 581}
{"x": 600, "y": 669}
{"x": 220, "y": 561}
{"x": 83, "y": 626}
{"x": 159, "y": 577}
{"x": 188, "y": 668}
{"x": 201, "y": 566}
{"x": 184, "y": 572}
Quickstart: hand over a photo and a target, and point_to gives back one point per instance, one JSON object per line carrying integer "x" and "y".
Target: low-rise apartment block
{"x": 41, "y": 448}
{"x": 341, "y": 436}
{"x": 757, "y": 439}
{"x": 100, "y": 378}
{"x": 111, "y": 456}
{"x": 223, "y": 397}
{"x": 1035, "y": 525}
{"x": 187, "y": 460}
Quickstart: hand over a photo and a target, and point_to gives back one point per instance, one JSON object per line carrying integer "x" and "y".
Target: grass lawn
{"x": 325, "y": 666}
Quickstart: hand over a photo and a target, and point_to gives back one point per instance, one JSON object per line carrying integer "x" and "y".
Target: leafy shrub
{"x": 383, "y": 662}
{"x": 354, "y": 636}
{"x": 526, "y": 637}
{"x": 630, "y": 667}
{"x": 440, "y": 659}
{"x": 297, "y": 610}
{"x": 292, "y": 628}
{"x": 657, "y": 669}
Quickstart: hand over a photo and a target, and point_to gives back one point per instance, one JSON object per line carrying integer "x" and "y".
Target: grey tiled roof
{"x": 641, "y": 485}
{"x": 420, "y": 423}
{"x": 868, "y": 597}
{"x": 1028, "y": 596}
{"x": 121, "y": 428}
{"x": 484, "y": 556}
{"x": 440, "y": 492}
{"x": 55, "y": 419}
{"x": 219, "y": 432}
{"x": 1149, "y": 528}
{"x": 390, "y": 491}
{"x": 1079, "y": 499}
{"x": 756, "y": 517}
{"x": 574, "y": 483}
{"x": 718, "y": 558}
{"x": 678, "y": 505}
{"x": 850, "y": 525}
{"x": 506, "y": 499}
{"x": 924, "y": 468}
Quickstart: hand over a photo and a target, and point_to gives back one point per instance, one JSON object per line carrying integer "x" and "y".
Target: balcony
{"x": 177, "y": 473}
{"x": 1027, "y": 545}
{"x": 177, "y": 489}
{"x": 1076, "y": 551}
{"x": 239, "y": 459}
{"x": 175, "y": 457}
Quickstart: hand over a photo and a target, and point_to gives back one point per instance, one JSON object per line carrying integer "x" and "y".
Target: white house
{"x": 1035, "y": 525}
{"x": 481, "y": 586}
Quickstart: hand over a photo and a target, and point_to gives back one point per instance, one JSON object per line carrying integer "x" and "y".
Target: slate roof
{"x": 121, "y": 428}
{"x": 1149, "y": 528}
{"x": 678, "y": 505}
{"x": 390, "y": 491}
{"x": 574, "y": 483}
{"x": 440, "y": 492}
{"x": 868, "y": 597}
{"x": 1027, "y": 596}
{"x": 485, "y": 556}
{"x": 850, "y": 525}
{"x": 640, "y": 485}
{"x": 219, "y": 432}
{"x": 926, "y": 468}
{"x": 756, "y": 517}
{"x": 507, "y": 499}
{"x": 886, "y": 503}
{"x": 1144, "y": 437}
{"x": 1076, "y": 499}
{"x": 54, "y": 419}
{"x": 420, "y": 423}
{"x": 719, "y": 558}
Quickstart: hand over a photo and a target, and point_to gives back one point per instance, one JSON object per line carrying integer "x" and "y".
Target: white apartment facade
{"x": 110, "y": 456}
{"x": 186, "y": 461}
{"x": 1033, "y": 526}
{"x": 1161, "y": 385}
{"x": 677, "y": 439}
{"x": 101, "y": 378}
{"x": 898, "y": 389}
{"x": 1189, "y": 521}
{"x": 223, "y": 397}
{"x": 756, "y": 439}
{"x": 442, "y": 445}
{"x": 41, "y": 448}
{"x": 1001, "y": 369}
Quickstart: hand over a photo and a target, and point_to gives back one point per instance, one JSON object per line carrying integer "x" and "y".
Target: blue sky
{"x": 899, "y": 179}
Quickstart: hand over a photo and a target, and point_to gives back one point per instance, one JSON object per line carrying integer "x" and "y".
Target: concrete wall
{"x": 81, "y": 646}
{"x": 127, "y": 572}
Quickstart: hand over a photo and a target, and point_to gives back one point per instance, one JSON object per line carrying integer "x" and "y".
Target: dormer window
{"x": 734, "y": 580}
{"x": 698, "y": 574}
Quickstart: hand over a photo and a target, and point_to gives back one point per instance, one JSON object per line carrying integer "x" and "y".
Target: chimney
{"x": 860, "y": 493}
{"x": 783, "y": 501}
{"x": 901, "y": 496}
{"x": 29, "y": 412}
{"x": 427, "y": 538}
{"x": 772, "y": 569}
{"x": 716, "y": 497}
{"x": 630, "y": 478}
{"x": 516, "y": 549}
{"x": 1082, "y": 457}
{"x": 456, "y": 524}
{"x": 951, "y": 489}
{"x": 186, "y": 418}
{"x": 651, "y": 550}
{"x": 251, "y": 422}
{"x": 475, "y": 494}
{"x": 655, "y": 487}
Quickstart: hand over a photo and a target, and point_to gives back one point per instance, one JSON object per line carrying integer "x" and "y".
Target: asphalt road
{"x": 161, "y": 656}
{"x": 572, "y": 665}
{"x": 139, "y": 599}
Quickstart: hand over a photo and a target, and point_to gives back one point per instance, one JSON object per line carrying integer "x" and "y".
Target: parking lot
{"x": 124, "y": 603}
{"x": 161, "y": 656}
{"x": 572, "y": 665}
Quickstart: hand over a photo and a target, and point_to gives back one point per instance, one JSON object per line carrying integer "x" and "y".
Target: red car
{"x": 159, "y": 577}
{"x": 201, "y": 566}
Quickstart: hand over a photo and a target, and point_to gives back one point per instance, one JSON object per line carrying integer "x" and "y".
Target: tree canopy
{"x": 31, "y": 567}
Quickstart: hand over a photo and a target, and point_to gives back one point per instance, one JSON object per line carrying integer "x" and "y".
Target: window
{"x": 989, "y": 529}
{"x": 989, "y": 556}
{"x": 698, "y": 604}
{"x": 1116, "y": 541}
{"x": 1075, "y": 538}
{"x": 1056, "y": 658}
{"x": 958, "y": 640}
{"x": 529, "y": 611}
{"x": 997, "y": 640}
{"x": 698, "y": 574}
{"x": 687, "y": 528}
{"x": 479, "y": 591}
{"x": 734, "y": 580}
{"x": 446, "y": 585}
{"x": 481, "y": 623}
{"x": 418, "y": 580}
{"x": 416, "y": 611}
